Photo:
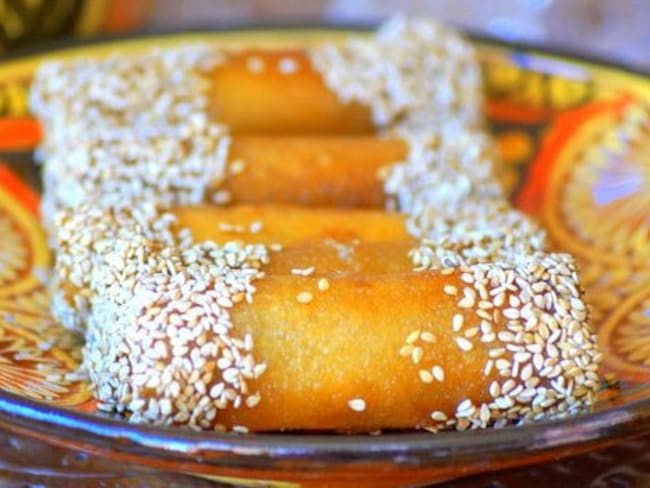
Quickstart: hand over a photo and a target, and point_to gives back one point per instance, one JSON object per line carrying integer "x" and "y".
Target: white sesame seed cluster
{"x": 129, "y": 137}
{"x": 489, "y": 232}
{"x": 411, "y": 71}
{"x": 159, "y": 341}
{"x": 128, "y": 128}
{"x": 454, "y": 204}
{"x": 83, "y": 238}
{"x": 423, "y": 84}
{"x": 170, "y": 356}
{"x": 546, "y": 357}
{"x": 126, "y": 138}
{"x": 544, "y": 353}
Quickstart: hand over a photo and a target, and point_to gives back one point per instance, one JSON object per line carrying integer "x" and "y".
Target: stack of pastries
{"x": 307, "y": 239}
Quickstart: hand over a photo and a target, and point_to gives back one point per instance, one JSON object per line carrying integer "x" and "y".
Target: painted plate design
{"x": 575, "y": 144}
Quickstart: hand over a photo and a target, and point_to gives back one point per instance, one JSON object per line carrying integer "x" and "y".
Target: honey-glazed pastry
{"x": 303, "y": 240}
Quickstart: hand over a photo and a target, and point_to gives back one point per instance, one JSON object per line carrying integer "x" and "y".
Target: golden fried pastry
{"x": 333, "y": 240}
{"x": 305, "y": 239}
{"x": 342, "y": 171}
{"x": 280, "y": 92}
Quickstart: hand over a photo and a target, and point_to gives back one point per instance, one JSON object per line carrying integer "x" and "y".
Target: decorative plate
{"x": 575, "y": 143}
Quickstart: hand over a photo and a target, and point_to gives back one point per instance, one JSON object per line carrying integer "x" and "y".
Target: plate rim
{"x": 474, "y": 35}
{"x": 184, "y": 444}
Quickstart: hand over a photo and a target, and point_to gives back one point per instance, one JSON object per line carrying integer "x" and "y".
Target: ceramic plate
{"x": 575, "y": 143}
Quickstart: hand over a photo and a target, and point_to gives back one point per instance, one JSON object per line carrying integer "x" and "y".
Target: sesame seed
{"x": 499, "y": 299}
{"x": 357, "y": 404}
{"x": 428, "y": 337}
{"x": 577, "y": 304}
{"x": 467, "y": 278}
{"x": 487, "y": 338}
{"x": 469, "y": 298}
{"x": 303, "y": 271}
{"x": 471, "y": 332}
{"x": 466, "y": 302}
{"x": 236, "y": 167}
{"x": 526, "y": 372}
{"x": 464, "y": 344}
{"x": 253, "y": 400}
{"x": 304, "y": 297}
{"x": 498, "y": 352}
{"x": 287, "y": 66}
{"x": 221, "y": 197}
{"x": 511, "y": 313}
{"x": 502, "y": 364}
{"x": 457, "y": 322}
{"x": 522, "y": 357}
{"x": 506, "y": 337}
{"x": 412, "y": 337}
{"x": 255, "y": 226}
{"x": 486, "y": 327}
{"x": 484, "y": 414}
{"x": 255, "y": 64}
{"x": 485, "y": 304}
{"x": 323, "y": 284}
{"x": 416, "y": 354}
{"x": 438, "y": 416}
{"x": 464, "y": 405}
{"x": 488, "y": 367}
{"x": 425, "y": 376}
{"x": 450, "y": 290}
{"x": 508, "y": 385}
{"x": 438, "y": 373}
{"x": 406, "y": 350}
{"x": 484, "y": 314}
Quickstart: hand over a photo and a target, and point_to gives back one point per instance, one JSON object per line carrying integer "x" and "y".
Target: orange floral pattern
{"x": 38, "y": 358}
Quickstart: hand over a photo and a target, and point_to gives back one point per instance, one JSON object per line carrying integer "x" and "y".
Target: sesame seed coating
{"x": 160, "y": 344}
{"x": 463, "y": 221}
{"x": 374, "y": 72}
{"x": 158, "y": 341}
{"x": 531, "y": 385}
{"x": 446, "y": 186}
{"x": 128, "y": 128}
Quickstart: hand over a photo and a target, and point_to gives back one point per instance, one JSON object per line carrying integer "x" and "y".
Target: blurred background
{"x": 614, "y": 29}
